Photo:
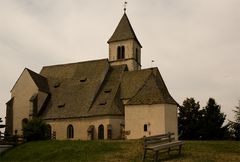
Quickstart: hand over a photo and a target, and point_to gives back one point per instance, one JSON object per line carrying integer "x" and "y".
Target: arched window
{"x": 101, "y": 132}
{"x": 24, "y": 122}
{"x": 70, "y": 132}
{"x": 49, "y": 131}
{"x": 145, "y": 128}
{"x": 137, "y": 56}
{"x": 119, "y": 52}
{"x": 123, "y": 52}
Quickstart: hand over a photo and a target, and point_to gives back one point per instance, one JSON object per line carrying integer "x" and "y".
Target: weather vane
{"x": 125, "y": 5}
{"x": 152, "y": 61}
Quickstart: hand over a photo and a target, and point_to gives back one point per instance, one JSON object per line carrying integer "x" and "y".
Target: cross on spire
{"x": 125, "y": 5}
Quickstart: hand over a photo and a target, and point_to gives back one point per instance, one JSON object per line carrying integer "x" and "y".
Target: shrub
{"x": 35, "y": 130}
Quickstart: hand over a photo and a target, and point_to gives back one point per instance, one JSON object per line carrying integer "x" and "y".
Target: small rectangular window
{"x": 145, "y": 128}
{"x": 56, "y": 84}
{"x": 61, "y": 105}
{"x": 83, "y": 79}
{"x": 107, "y": 90}
{"x": 103, "y": 103}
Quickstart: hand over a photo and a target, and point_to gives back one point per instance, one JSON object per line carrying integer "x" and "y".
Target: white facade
{"x": 147, "y": 120}
{"x": 22, "y": 91}
{"x": 81, "y": 125}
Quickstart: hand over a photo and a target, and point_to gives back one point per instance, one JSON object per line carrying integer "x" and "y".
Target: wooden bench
{"x": 161, "y": 143}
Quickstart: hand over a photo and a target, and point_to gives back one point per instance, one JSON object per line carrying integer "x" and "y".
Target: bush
{"x": 35, "y": 130}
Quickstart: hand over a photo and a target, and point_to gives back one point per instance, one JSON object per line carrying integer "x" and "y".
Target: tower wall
{"x": 132, "y": 54}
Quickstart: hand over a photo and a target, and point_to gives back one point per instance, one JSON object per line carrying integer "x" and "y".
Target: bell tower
{"x": 124, "y": 47}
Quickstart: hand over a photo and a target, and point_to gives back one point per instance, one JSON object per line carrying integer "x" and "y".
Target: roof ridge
{"x": 113, "y": 85}
{"x": 165, "y": 86}
{"x": 64, "y": 64}
{"x": 115, "y": 94}
{"x": 124, "y": 66}
{"x": 99, "y": 90}
{"x": 39, "y": 83}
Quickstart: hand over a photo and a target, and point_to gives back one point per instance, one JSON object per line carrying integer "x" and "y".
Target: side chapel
{"x": 100, "y": 99}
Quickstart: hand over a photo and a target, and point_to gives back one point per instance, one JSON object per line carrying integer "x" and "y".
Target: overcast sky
{"x": 194, "y": 43}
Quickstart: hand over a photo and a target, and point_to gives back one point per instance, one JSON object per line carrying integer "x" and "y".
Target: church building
{"x": 100, "y": 99}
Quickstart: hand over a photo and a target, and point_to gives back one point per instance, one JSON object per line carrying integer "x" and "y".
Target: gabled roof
{"x": 40, "y": 81}
{"x": 123, "y": 31}
{"x": 150, "y": 94}
{"x": 133, "y": 81}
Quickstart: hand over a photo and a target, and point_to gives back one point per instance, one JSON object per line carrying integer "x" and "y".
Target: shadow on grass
{"x": 171, "y": 157}
{"x": 164, "y": 156}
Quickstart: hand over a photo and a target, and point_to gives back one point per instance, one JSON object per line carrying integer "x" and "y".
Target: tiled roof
{"x": 94, "y": 88}
{"x": 108, "y": 100}
{"x": 133, "y": 81}
{"x": 145, "y": 87}
{"x": 73, "y": 97}
{"x": 40, "y": 81}
{"x": 150, "y": 93}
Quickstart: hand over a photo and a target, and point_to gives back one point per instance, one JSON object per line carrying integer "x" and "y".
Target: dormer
{"x": 124, "y": 47}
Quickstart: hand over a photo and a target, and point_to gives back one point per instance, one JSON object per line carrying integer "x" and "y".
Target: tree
{"x": 188, "y": 119}
{"x": 235, "y": 125}
{"x": 35, "y": 129}
{"x": 212, "y": 121}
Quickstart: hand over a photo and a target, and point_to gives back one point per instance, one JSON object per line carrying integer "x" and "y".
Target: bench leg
{"x": 156, "y": 156}
{"x": 144, "y": 155}
{"x": 180, "y": 148}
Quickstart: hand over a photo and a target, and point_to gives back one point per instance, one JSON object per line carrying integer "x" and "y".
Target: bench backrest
{"x": 158, "y": 139}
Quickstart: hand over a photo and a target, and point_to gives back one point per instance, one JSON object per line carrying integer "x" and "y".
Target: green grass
{"x": 120, "y": 151}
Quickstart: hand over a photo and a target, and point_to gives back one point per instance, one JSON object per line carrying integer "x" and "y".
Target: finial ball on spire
{"x": 125, "y": 5}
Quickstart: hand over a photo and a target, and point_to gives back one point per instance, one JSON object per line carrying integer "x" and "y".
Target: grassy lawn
{"x": 120, "y": 151}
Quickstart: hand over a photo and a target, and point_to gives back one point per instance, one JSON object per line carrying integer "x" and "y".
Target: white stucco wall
{"x": 81, "y": 125}
{"x": 171, "y": 123}
{"x": 160, "y": 118}
{"x": 22, "y": 92}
